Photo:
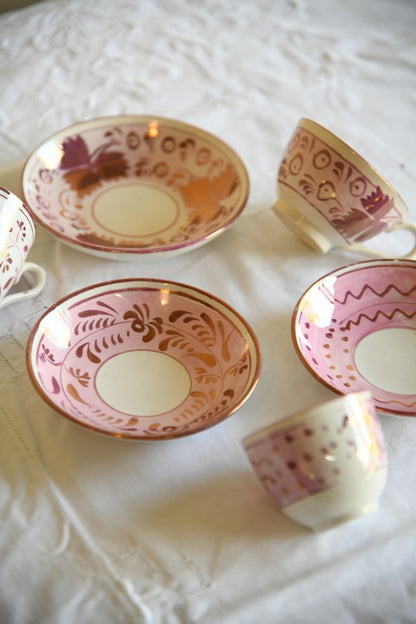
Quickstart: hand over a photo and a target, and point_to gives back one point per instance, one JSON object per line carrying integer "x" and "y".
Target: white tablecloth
{"x": 97, "y": 530}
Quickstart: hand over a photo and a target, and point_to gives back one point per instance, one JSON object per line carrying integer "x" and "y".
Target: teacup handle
{"x": 402, "y": 225}
{"x": 39, "y": 278}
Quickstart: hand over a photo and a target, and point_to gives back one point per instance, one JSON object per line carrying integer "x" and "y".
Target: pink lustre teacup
{"x": 324, "y": 466}
{"x": 331, "y": 197}
{"x": 17, "y": 235}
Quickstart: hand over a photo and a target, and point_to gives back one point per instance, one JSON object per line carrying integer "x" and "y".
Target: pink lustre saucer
{"x": 143, "y": 359}
{"x": 125, "y": 185}
{"x": 355, "y": 329}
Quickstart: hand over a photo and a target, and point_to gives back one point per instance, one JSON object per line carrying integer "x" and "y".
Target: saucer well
{"x": 131, "y": 184}
{"x": 355, "y": 329}
{"x": 143, "y": 359}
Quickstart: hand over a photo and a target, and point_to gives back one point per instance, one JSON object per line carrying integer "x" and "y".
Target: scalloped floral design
{"x": 75, "y": 339}
{"x": 203, "y": 181}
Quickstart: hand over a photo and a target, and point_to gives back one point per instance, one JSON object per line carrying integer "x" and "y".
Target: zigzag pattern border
{"x": 377, "y": 294}
{"x": 379, "y": 313}
{"x": 397, "y": 402}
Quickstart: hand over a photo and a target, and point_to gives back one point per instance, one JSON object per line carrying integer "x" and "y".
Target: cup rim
{"x": 5, "y": 194}
{"x": 368, "y": 169}
{"x": 295, "y": 417}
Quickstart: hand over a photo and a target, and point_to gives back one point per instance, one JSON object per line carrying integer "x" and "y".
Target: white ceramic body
{"x": 331, "y": 197}
{"x": 17, "y": 234}
{"x": 324, "y": 466}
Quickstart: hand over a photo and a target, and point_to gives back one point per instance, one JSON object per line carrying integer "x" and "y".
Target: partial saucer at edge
{"x": 143, "y": 359}
{"x": 125, "y": 185}
{"x": 355, "y": 329}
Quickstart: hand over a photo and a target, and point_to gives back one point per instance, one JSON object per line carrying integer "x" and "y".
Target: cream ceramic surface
{"x": 331, "y": 197}
{"x": 143, "y": 359}
{"x": 324, "y": 466}
{"x": 355, "y": 329}
{"x": 130, "y": 184}
{"x": 17, "y": 235}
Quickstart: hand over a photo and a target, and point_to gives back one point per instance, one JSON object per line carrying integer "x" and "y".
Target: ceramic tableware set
{"x": 123, "y": 186}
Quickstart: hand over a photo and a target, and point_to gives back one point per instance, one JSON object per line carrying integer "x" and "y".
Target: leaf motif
{"x": 132, "y": 422}
{"x": 72, "y": 391}
{"x": 80, "y": 353}
{"x": 203, "y": 195}
{"x": 75, "y": 153}
{"x": 151, "y": 333}
{"x": 208, "y": 359}
{"x": 224, "y": 350}
{"x": 306, "y": 187}
{"x": 82, "y": 378}
{"x": 7, "y": 284}
{"x": 106, "y": 305}
{"x": 83, "y": 170}
{"x": 164, "y": 344}
{"x": 174, "y": 316}
{"x": 55, "y": 385}
{"x": 338, "y": 169}
{"x": 175, "y": 339}
{"x": 208, "y": 320}
{"x": 129, "y": 315}
{"x": 85, "y": 313}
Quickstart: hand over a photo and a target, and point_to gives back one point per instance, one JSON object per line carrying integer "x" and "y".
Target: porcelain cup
{"x": 330, "y": 197}
{"x": 324, "y": 466}
{"x": 17, "y": 235}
